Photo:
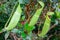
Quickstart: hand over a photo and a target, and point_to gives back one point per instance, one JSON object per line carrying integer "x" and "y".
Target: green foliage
{"x": 18, "y": 24}
{"x": 35, "y": 17}
{"x": 57, "y": 14}
{"x": 46, "y": 26}
{"x": 14, "y": 20}
{"x": 5, "y": 10}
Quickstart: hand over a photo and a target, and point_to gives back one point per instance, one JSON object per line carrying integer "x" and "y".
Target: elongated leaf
{"x": 35, "y": 18}
{"x": 36, "y": 15}
{"x": 15, "y": 18}
{"x": 46, "y": 26}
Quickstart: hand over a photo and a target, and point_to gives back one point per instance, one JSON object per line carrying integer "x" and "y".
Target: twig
{"x": 49, "y": 37}
{"x": 53, "y": 26}
{"x": 14, "y": 36}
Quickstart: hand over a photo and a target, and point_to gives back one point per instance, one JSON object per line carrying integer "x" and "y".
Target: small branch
{"x": 53, "y": 26}
{"x": 49, "y": 37}
{"x": 14, "y": 36}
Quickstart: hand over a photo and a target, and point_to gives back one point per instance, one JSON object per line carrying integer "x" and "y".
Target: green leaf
{"x": 50, "y": 13}
{"x": 15, "y": 19}
{"x": 23, "y": 34}
{"x": 41, "y": 3}
{"x": 57, "y": 14}
{"x": 19, "y": 25}
{"x": 23, "y": 17}
{"x": 46, "y": 26}
{"x": 28, "y": 28}
{"x": 35, "y": 17}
